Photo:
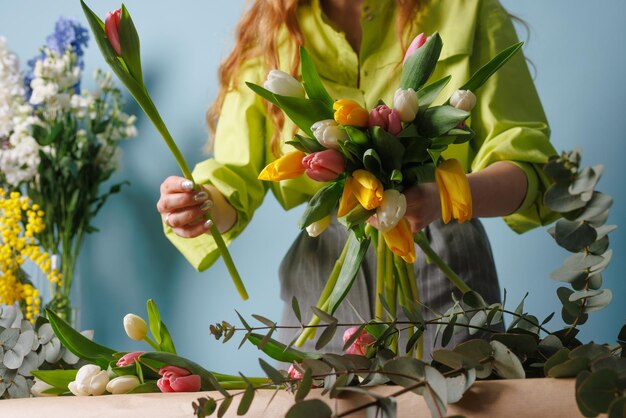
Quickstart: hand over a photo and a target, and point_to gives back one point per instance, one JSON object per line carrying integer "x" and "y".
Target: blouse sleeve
{"x": 509, "y": 120}
{"x": 239, "y": 155}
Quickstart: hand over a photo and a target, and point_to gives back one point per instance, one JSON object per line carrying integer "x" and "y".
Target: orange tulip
{"x": 288, "y": 166}
{"x": 399, "y": 239}
{"x": 454, "y": 191}
{"x": 349, "y": 112}
{"x": 367, "y": 189}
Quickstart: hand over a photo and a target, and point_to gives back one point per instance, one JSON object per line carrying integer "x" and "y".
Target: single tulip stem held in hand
{"x": 422, "y": 242}
{"x": 380, "y": 275}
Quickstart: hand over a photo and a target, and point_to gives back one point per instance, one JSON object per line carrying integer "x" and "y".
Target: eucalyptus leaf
{"x": 246, "y": 400}
{"x": 455, "y": 388}
{"x": 559, "y": 357}
{"x": 313, "y": 408}
{"x": 586, "y": 180}
{"x": 506, "y": 364}
{"x": 523, "y": 344}
{"x": 574, "y": 236}
{"x": 599, "y": 301}
{"x": 598, "y": 205}
{"x": 326, "y": 336}
{"x": 617, "y": 409}
{"x": 569, "y": 368}
{"x": 598, "y": 390}
{"x": 558, "y": 199}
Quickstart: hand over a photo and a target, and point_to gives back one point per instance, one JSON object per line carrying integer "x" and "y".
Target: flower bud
{"x": 289, "y": 166}
{"x": 111, "y": 28}
{"x": 128, "y": 359}
{"x": 283, "y": 84}
{"x": 316, "y": 228}
{"x": 367, "y": 189}
{"x": 349, "y": 112}
{"x": 39, "y": 386}
{"x": 177, "y": 379}
{"x": 386, "y": 118}
{"x": 406, "y": 104}
{"x": 416, "y": 44}
{"x": 294, "y": 373}
{"x": 329, "y": 133}
{"x": 399, "y": 239}
{"x": 324, "y": 165}
{"x": 90, "y": 380}
{"x": 391, "y": 210}
{"x": 122, "y": 384}
{"x": 360, "y": 345}
{"x": 454, "y": 191}
{"x": 463, "y": 99}
{"x": 135, "y": 327}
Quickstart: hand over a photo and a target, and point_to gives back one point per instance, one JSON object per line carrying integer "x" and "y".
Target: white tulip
{"x": 406, "y": 104}
{"x": 316, "y": 228}
{"x": 329, "y": 133}
{"x": 90, "y": 380}
{"x": 391, "y": 210}
{"x": 282, "y": 83}
{"x": 463, "y": 99}
{"x": 135, "y": 327}
{"x": 122, "y": 384}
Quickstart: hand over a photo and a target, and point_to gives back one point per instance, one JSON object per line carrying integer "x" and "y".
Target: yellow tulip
{"x": 367, "y": 189}
{"x": 454, "y": 191}
{"x": 399, "y": 239}
{"x": 349, "y": 112}
{"x": 348, "y": 199}
{"x": 288, "y": 166}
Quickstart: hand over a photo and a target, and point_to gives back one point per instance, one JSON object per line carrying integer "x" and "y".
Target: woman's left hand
{"x": 423, "y": 205}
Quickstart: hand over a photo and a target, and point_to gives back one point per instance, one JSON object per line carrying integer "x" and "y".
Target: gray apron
{"x": 309, "y": 261}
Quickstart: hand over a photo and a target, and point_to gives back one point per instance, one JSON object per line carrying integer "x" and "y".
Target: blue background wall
{"x": 577, "y": 50}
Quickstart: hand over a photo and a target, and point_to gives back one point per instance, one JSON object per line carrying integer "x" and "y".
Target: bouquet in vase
{"x": 58, "y": 144}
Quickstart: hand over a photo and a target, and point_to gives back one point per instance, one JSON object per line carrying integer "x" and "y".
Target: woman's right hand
{"x": 183, "y": 206}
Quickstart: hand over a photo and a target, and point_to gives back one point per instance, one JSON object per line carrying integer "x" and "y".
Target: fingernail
{"x": 201, "y": 196}
{"x": 208, "y": 224}
{"x": 187, "y": 185}
{"x": 206, "y": 205}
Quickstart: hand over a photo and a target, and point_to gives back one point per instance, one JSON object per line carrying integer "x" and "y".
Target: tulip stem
{"x": 150, "y": 109}
{"x": 415, "y": 296}
{"x": 152, "y": 343}
{"x": 422, "y": 242}
{"x": 380, "y": 276}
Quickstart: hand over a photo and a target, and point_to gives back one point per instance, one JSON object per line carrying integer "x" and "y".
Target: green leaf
{"x": 274, "y": 375}
{"x": 617, "y": 409}
{"x": 313, "y": 408}
{"x": 591, "y": 351}
{"x": 154, "y": 320}
{"x": 389, "y": 148}
{"x": 264, "y": 93}
{"x": 372, "y": 162}
{"x": 598, "y": 204}
{"x": 479, "y": 320}
{"x": 574, "y": 236}
{"x": 506, "y": 364}
{"x": 454, "y": 360}
{"x": 295, "y": 306}
{"x": 438, "y": 120}
{"x": 147, "y": 387}
{"x": 420, "y": 65}
{"x": 559, "y": 199}
{"x": 57, "y": 378}
{"x": 586, "y": 180}
{"x": 78, "y": 344}
{"x": 522, "y": 344}
{"x": 311, "y": 80}
{"x": 598, "y": 301}
{"x": 598, "y": 390}
{"x": 358, "y": 136}
{"x": 557, "y": 358}
{"x": 305, "y": 385}
{"x": 305, "y": 144}
{"x": 427, "y": 95}
{"x": 304, "y": 112}
{"x": 279, "y": 351}
{"x": 405, "y": 371}
{"x": 129, "y": 45}
{"x": 349, "y": 270}
{"x": 226, "y": 402}
{"x": 321, "y": 204}
{"x": 486, "y": 71}
{"x": 326, "y": 336}
{"x": 474, "y": 300}
{"x": 246, "y": 400}
{"x": 583, "y": 408}
{"x": 324, "y": 316}
{"x": 569, "y": 368}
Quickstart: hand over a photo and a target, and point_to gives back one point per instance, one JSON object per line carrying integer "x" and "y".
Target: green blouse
{"x": 508, "y": 120}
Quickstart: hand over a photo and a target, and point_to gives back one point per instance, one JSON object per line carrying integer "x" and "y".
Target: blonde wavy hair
{"x": 256, "y": 36}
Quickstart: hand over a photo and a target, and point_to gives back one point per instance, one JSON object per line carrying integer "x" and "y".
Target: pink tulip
{"x": 360, "y": 345}
{"x": 111, "y": 28}
{"x": 388, "y": 119}
{"x": 417, "y": 43}
{"x": 294, "y": 373}
{"x": 177, "y": 379}
{"x": 324, "y": 165}
{"x": 128, "y": 359}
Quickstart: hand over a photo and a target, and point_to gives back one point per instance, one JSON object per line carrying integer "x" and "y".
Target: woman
{"x": 358, "y": 48}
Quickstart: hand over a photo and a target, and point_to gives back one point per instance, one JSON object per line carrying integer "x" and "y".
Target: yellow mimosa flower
{"x": 288, "y": 166}
{"x": 454, "y": 191}
{"x": 349, "y": 112}
{"x": 367, "y": 189}
{"x": 399, "y": 239}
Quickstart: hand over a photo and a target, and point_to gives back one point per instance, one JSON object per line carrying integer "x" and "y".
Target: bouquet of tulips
{"x": 369, "y": 157}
